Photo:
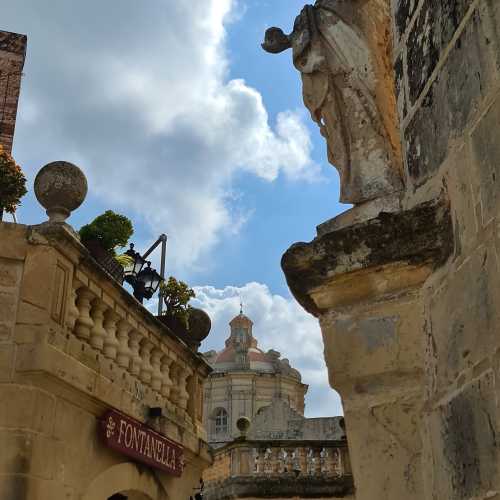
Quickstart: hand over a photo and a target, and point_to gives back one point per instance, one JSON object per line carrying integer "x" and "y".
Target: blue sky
{"x": 183, "y": 123}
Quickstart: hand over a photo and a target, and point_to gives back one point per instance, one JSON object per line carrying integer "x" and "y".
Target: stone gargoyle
{"x": 347, "y": 89}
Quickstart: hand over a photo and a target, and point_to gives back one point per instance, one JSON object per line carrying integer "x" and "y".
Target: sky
{"x": 183, "y": 123}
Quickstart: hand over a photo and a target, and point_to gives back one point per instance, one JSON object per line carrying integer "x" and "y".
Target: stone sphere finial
{"x": 60, "y": 187}
{"x": 243, "y": 424}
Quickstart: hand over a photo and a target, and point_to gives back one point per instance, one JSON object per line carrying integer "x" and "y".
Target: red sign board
{"x": 135, "y": 440}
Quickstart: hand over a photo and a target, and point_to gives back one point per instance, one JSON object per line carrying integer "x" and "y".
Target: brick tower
{"x": 12, "y": 56}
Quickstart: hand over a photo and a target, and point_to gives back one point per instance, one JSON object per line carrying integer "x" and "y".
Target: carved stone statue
{"x": 346, "y": 89}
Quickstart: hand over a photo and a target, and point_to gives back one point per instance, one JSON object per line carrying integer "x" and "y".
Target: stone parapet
{"x": 279, "y": 469}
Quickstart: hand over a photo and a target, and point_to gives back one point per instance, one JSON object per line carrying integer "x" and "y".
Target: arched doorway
{"x": 125, "y": 482}
{"x": 130, "y": 495}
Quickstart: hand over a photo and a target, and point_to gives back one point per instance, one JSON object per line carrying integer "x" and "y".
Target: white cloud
{"x": 280, "y": 324}
{"x": 139, "y": 96}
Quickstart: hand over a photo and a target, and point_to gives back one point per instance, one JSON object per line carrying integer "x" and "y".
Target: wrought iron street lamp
{"x": 145, "y": 280}
{"x": 134, "y": 267}
{"x": 149, "y": 281}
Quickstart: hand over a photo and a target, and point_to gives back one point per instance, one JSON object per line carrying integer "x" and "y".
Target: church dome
{"x": 241, "y": 319}
{"x": 241, "y": 352}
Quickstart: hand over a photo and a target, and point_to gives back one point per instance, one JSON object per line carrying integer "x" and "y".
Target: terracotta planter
{"x": 199, "y": 327}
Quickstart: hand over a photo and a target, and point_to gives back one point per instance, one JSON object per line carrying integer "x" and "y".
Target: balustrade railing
{"x": 288, "y": 461}
{"x": 309, "y": 460}
{"x": 112, "y": 332}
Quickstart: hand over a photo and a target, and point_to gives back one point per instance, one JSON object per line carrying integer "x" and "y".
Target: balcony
{"x": 279, "y": 469}
{"x": 68, "y": 327}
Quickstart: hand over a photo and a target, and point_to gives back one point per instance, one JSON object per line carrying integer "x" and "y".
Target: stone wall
{"x": 447, "y": 61}
{"x": 407, "y": 290}
{"x": 12, "y": 56}
{"x": 280, "y": 421}
{"x": 74, "y": 344}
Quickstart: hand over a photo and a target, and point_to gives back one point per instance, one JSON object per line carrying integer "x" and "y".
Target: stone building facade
{"x": 244, "y": 380}
{"x": 12, "y": 56}
{"x": 78, "y": 357}
{"x": 406, "y": 286}
{"x": 100, "y": 400}
{"x": 262, "y": 445}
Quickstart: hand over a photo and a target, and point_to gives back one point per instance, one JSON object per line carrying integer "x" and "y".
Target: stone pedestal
{"x": 364, "y": 283}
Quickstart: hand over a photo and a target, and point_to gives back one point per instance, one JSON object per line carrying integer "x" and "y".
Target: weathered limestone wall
{"x": 407, "y": 291}
{"x": 12, "y": 56}
{"x": 73, "y": 344}
{"x": 447, "y": 60}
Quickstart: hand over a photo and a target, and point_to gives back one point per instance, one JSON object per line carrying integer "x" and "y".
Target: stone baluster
{"x": 98, "y": 333}
{"x": 175, "y": 389}
{"x": 84, "y": 322}
{"x": 267, "y": 462}
{"x": 310, "y": 462}
{"x": 302, "y": 460}
{"x": 333, "y": 462}
{"x": 156, "y": 376}
{"x": 135, "y": 360}
{"x": 316, "y": 457}
{"x": 73, "y": 312}
{"x": 289, "y": 460}
{"x": 123, "y": 353}
{"x": 261, "y": 461}
{"x": 146, "y": 368}
{"x": 166, "y": 384}
{"x": 184, "y": 373}
{"x": 275, "y": 460}
{"x": 110, "y": 349}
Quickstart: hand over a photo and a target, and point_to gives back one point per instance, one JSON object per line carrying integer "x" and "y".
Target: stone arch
{"x": 127, "y": 479}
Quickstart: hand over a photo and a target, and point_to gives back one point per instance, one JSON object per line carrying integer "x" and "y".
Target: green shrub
{"x": 176, "y": 295}
{"x": 12, "y": 183}
{"x": 110, "y": 229}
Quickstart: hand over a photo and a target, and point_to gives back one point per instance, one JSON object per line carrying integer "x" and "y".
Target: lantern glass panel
{"x": 138, "y": 264}
{"x": 150, "y": 279}
{"x": 155, "y": 283}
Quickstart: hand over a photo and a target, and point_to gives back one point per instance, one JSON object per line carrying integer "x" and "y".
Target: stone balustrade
{"x": 289, "y": 458}
{"x": 280, "y": 468}
{"x": 77, "y": 326}
{"x": 104, "y": 329}
{"x": 306, "y": 460}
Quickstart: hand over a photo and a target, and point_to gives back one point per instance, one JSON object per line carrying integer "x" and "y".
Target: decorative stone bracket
{"x": 381, "y": 255}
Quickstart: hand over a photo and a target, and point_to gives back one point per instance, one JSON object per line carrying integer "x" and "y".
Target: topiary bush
{"x": 111, "y": 230}
{"x": 177, "y": 295}
{"x": 12, "y": 183}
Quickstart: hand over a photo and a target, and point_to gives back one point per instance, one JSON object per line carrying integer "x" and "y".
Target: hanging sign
{"x": 135, "y": 440}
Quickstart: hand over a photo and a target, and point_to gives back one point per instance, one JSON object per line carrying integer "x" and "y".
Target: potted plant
{"x": 12, "y": 183}
{"x": 103, "y": 236}
{"x": 189, "y": 323}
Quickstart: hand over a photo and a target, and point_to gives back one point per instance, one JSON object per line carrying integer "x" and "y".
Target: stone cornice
{"x": 336, "y": 267}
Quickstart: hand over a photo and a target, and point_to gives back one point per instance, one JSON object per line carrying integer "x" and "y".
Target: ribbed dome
{"x": 242, "y": 353}
{"x": 241, "y": 319}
